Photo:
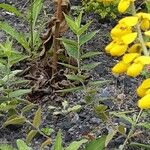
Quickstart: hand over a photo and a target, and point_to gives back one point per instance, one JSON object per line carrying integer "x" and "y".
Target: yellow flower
{"x": 141, "y": 91}
{"x": 120, "y": 67}
{"x": 135, "y": 48}
{"x": 145, "y": 84}
{"x": 129, "y": 38}
{"x": 124, "y": 5}
{"x": 144, "y": 88}
{"x": 142, "y": 15}
{"x": 135, "y": 69}
{"x": 144, "y": 103}
{"x": 118, "y": 49}
{"x": 145, "y": 60}
{"x": 128, "y": 58}
{"x": 110, "y": 46}
{"x": 129, "y": 21}
{"x": 147, "y": 33}
{"x": 120, "y": 30}
{"x": 145, "y": 25}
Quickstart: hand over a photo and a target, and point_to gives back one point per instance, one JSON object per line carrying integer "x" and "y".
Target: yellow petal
{"x": 129, "y": 38}
{"x": 148, "y": 91}
{"x": 144, "y": 103}
{"x": 118, "y": 50}
{"x": 129, "y": 21}
{"x": 123, "y": 5}
{"x": 120, "y": 67}
{"x": 145, "y": 84}
{"x": 145, "y": 60}
{"x": 147, "y": 33}
{"x": 135, "y": 69}
{"x": 110, "y": 46}
{"x": 128, "y": 58}
{"x": 142, "y": 15}
{"x": 140, "y": 91}
{"x": 145, "y": 25}
{"x": 135, "y": 48}
{"x": 120, "y": 30}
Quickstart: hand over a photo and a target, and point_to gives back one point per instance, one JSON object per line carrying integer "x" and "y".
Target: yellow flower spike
{"x": 123, "y": 5}
{"x": 145, "y": 84}
{"x": 144, "y": 103}
{"x": 147, "y": 33}
{"x": 141, "y": 91}
{"x": 118, "y": 50}
{"x": 145, "y": 60}
{"x": 110, "y": 46}
{"x": 129, "y": 21}
{"x": 145, "y": 25}
{"x": 135, "y": 69}
{"x": 128, "y": 58}
{"x": 129, "y": 38}
{"x": 135, "y": 48}
{"x": 120, "y": 67}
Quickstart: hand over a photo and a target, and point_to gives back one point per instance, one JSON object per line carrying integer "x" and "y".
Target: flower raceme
{"x": 122, "y": 36}
{"x": 144, "y": 91}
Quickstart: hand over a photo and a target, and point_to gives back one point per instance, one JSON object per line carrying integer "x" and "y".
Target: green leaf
{"x": 71, "y": 23}
{"x": 15, "y": 121}
{"x": 98, "y": 144}
{"x": 121, "y": 129}
{"x": 7, "y": 107}
{"x": 28, "y": 107}
{"x": 123, "y": 116}
{"x": 45, "y": 143}
{"x": 145, "y": 125}
{"x": 89, "y": 54}
{"x": 71, "y": 49}
{"x": 143, "y": 146}
{"x": 76, "y": 108}
{"x": 68, "y": 41}
{"x": 35, "y": 11}
{"x": 6, "y": 147}
{"x": 68, "y": 66}
{"x": 19, "y": 93}
{"x": 70, "y": 89}
{"x": 58, "y": 141}
{"x": 83, "y": 28}
{"x": 22, "y": 145}
{"x": 37, "y": 118}
{"x": 30, "y": 136}
{"x": 100, "y": 110}
{"x": 15, "y": 34}
{"x": 16, "y": 57}
{"x": 88, "y": 67}
{"x": 85, "y": 38}
{"x": 78, "y": 19}
{"x": 110, "y": 136}
{"x": 76, "y": 145}
{"x": 11, "y": 9}
{"x": 75, "y": 77}
{"x": 98, "y": 83}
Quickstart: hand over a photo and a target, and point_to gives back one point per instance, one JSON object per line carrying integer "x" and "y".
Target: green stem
{"x": 78, "y": 59}
{"x": 132, "y": 130}
{"x": 140, "y": 36}
{"x": 31, "y": 27}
